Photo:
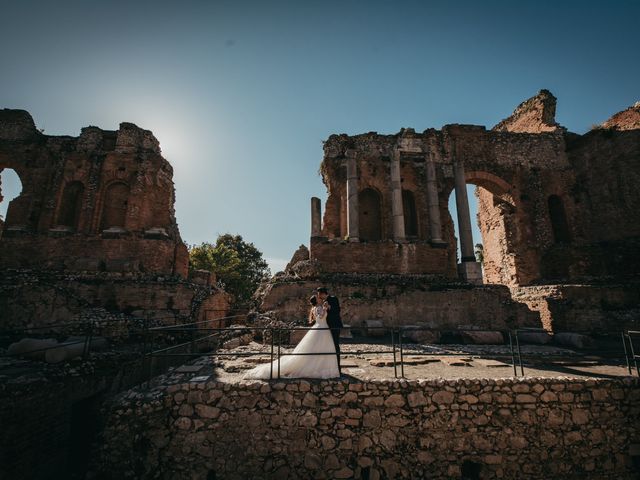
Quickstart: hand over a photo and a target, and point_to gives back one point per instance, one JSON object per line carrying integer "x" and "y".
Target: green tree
{"x": 238, "y": 265}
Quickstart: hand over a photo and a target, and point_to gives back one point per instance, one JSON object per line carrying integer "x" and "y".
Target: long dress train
{"x": 305, "y": 366}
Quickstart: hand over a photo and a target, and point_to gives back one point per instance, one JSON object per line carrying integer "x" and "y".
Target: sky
{"x": 241, "y": 94}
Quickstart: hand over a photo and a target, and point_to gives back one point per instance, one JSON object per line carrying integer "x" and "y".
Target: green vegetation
{"x": 237, "y": 264}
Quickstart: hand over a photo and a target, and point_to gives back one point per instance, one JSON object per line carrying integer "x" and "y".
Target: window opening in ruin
{"x": 70, "y": 205}
{"x": 10, "y": 188}
{"x": 370, "y": 216}
{"x": 410, "y": 214}
{"x": 115, "y": 205}
{"x": 558, "y": 217}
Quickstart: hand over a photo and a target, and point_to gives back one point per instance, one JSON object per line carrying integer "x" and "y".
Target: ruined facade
{"x": 94, "y": 227}
{"x": 554, "y": 207}
{"x": 105, "y": 196}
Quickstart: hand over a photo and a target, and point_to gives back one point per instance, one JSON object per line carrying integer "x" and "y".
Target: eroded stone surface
{"x": 409, "y": 429}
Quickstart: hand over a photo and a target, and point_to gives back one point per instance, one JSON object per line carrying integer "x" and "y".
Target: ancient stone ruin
{"x": 558, "y": 212}
{"x": 92, "y": 240}
{"x": 94, "y": 228}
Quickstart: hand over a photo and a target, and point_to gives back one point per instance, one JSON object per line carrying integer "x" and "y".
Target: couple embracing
{"x": 320, "y": 346}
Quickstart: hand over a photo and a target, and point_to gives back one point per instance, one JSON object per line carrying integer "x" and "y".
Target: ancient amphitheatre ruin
{"x": 520, "y": 367}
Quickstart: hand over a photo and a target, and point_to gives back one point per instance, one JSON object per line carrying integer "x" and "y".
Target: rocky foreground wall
{"x": 436, "y": 429}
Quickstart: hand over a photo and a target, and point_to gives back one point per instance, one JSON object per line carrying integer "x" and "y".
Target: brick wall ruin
{"x": 553, "y": 206}
{"x": 102, "y": 201}
{"x": 94, "y": 228}
{"x": 505, "y": 428}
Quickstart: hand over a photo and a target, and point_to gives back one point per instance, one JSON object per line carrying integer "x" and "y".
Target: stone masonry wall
{"x": 555, "y": 207}
{"x": 382, "y": 257}
{"x": 102, "y": 197}
{"x": 505, "y": 428}
{"x": 30, "y": 299}
{"x": 584, "y": 308}
{"x": 429, "y": 304}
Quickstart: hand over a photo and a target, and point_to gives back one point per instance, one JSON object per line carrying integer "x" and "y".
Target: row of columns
{"x": 353, "y": 231}
{"x": 470, "y": 270}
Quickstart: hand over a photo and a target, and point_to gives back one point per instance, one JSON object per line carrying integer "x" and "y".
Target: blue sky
{"x": 241, "y": 94}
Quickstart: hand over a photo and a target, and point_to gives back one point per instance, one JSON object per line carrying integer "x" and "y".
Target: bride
{"x": 316, "y": 341}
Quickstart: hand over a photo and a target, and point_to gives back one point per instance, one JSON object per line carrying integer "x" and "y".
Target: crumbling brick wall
{"x": 100, "y": 201}
{"x": 553, "y": 206}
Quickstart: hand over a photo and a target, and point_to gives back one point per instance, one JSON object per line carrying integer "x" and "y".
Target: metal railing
{"x": 144, "y": 332}
{"x": 630, "y": 351}
{"x": 397, "y": 347}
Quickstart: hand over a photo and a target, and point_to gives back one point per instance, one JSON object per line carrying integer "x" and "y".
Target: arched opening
{"x": 70, "y": 205}
{"x": 501, "y": 232}
{"x": 370, "y": 217}
{"x": 410, "y": 214}
{"x": 558, "y": 217}
{"x": 10, "y": 189}
{"x": 114, "y": 208}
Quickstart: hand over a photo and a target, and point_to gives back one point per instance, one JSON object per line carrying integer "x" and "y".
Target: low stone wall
{"x": 36, "y": 298}
{"x": 584, "y": 308}
{"x": 430, "y": 304}
{"x": 505, "y": 428}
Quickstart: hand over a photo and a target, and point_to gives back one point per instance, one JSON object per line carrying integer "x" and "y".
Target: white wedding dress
{"x": 305, "y": 366}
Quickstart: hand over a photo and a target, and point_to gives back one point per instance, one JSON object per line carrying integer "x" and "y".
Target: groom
{"x": 333, "y": 317}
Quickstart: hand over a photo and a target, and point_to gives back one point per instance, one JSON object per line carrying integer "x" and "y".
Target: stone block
{"x": 414, "y": 334}
{"x": 575, "y": 340}
{"x": 483, "y": 337}
{"x": 536, "y": 338}
{"x": 374, "y": 328}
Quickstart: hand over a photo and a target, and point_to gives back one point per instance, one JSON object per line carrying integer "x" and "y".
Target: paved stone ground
{"x": 362, "y": 359}
{"x": 375, "y": 361}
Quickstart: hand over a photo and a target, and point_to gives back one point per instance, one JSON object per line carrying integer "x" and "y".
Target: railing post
{"x": 626, "y": 353}
{"x": 393, "y": 345}
{"x": 519, "y": 354}
{"x": 271, "y": 357}
{"x": 87, "y": 340}
{"x": 150, "y": 357}
{"x": 279, "y": 342}
{"x": 513, "y": 355}
{"x": 633, "y": 354}
{"x": 401, "y": 352}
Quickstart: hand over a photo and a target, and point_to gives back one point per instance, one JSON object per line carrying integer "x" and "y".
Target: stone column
{"x": 435, "y": 225}
{"x": 353, "y": 232}
{"x": 470, "y": 270}
{"x": 316, "y": 230}
{"x": 396, "y": 199}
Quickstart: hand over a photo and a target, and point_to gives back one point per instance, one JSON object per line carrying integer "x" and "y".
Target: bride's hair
{"x": 313, "y": 300}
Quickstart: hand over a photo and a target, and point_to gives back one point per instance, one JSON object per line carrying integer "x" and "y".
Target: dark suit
{"x": 335, "y": 322}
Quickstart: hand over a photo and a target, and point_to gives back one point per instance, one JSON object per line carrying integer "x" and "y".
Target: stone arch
{"x": 70, "y": 205}
{"x": 14, "y": 199}
{"x": 510, "y": 256}
{"x": 492, "y": 183}
{"x": 370, "y": 215}
{"x": 114, "y": 205}
{"x": 410, "y": 213}
{"x": 558, "y": 218}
